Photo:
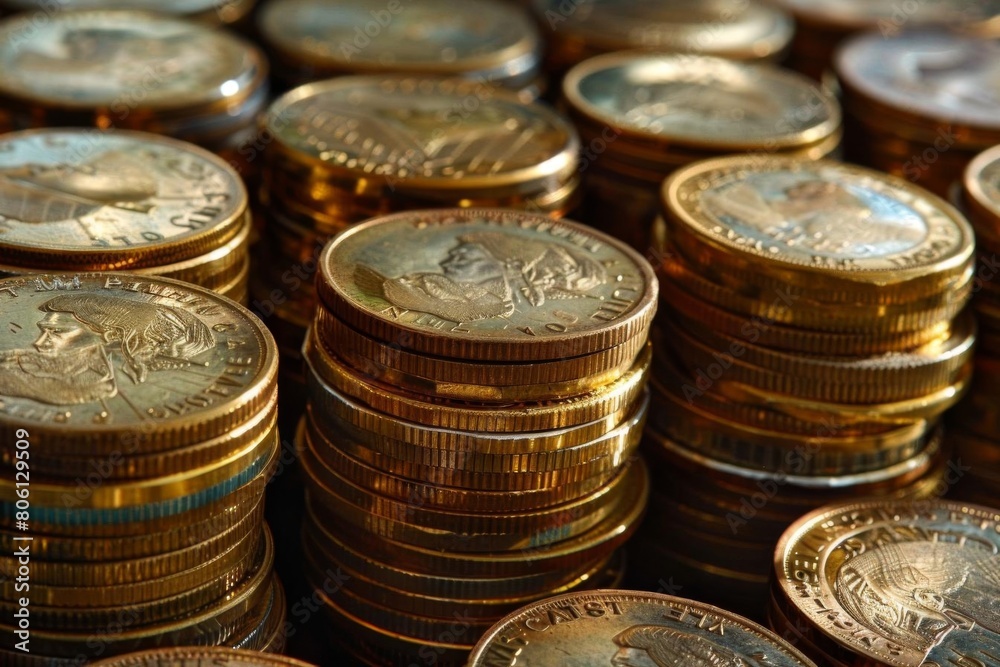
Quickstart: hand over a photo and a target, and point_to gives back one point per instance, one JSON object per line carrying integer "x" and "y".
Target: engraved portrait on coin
{"x": 816, "y": 214}
{"x": 916, "y": 594}
{"x": 80, "y": 336}
{"x": 661, "y": 646}
{"x": 33, "y": 193}
{"x": 487, "y": 275}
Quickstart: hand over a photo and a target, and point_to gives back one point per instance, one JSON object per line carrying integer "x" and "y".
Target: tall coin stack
{"x": 345, "y": 150}
{"x": 79, "y": 201}
{"x": 919, "y": 105}
{"x": 871, "y": 582}
{"x": 640, "y": 117}
{"x": 137, "y": 432}
{"x": 735, "y": 29}
{"x": 473, "y": 410}
{"x": 975, "y": 429}
{"x": 487, "y": 41}
{"x": 811, "y": 335}
{"x": 134, "y": 71}
{"x": 823, "y": 25}
{"x": 230, "y": 13}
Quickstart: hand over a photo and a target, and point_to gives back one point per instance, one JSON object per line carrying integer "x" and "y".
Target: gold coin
{"x": 594, "y": 293}
{"x": 147, "y": 66}
{"x": 932, "y": 563}
{"x": 326, "y": 371}
{"x": 478, "y": 40}
{"x": 114, "y": 363}
{"x": 629, "y": 627}
{"x": 200, "y": 657}
{"x": 275, "y": 633}
{"x": 737, "y": 30}
{"x": 498, "y": 145}
{"x": 783, "y": 223}
{"x": 90, "y": 200}
{"x": 662, "y": 103}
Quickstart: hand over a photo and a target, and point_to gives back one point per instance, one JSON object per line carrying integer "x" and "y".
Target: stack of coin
{"x": 132, "y": 70}
{"x": 822, "y": 25}
{"x": 810, "y": 338}
{"x": 79, "y": 200}
{"x": 230, "y": 13}
{"x": 625, "y": 628}
{"x": 891, "y": 583}
{"x": 640, "y": 117}
{"x": 137, "y": 431}
{"x": 488, "y": 41}
{"x": 975, "y": 428}
{"x": 342, "y": 151}
{"x": 919, "y": 105}
{"x": 736, "y": 29}
{"x": 192, "y": 656}
{"x": 473, "y": 410}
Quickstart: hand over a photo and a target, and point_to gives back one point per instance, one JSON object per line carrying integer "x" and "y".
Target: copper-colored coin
{"x": 488, "y": 285}
{"x": 903, "y": 584}
{"x": 200, "y": 657}
{"x": 630, "y": 628}
{"x": 105, "y": 364}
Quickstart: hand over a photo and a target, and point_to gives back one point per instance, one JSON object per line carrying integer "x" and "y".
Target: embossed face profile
{"x": 916, "y": 594}
{"x": 80, "y": 335}
{"x": 817, "y": 215}
{"x": 487, "y": 274}
{"x": 660, "y": 646}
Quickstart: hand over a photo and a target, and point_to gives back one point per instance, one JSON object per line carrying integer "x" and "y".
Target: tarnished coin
{"x": 209, "y": 11}
{"x": 700, "y": 102}
{"x": 123, "y": 62}
{"x": 944, "y": 77}
{"x": 113, "y": 364}
{"x": 437, "y": 134}
{"x": 728, "y": 28}
{"x": 481, "y": 38}
{"x": 99, "y": 200}
{"x": 621, "y": 628}
{"x": 488, "y": 285}
{"x": 903, "y": 584}
{"x": 831, "y": 233}
{"x": 200, "y": 657}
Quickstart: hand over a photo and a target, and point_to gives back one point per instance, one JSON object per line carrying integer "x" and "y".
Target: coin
{"x": 120, "y": 66}
{"x": 903, "y": 584}
{"x": 113, "y": 363}
{"x": 802, "y": 221}
{"x": 543, "y": 290}
{"x": 629, "y": 627}
{"x": 981, "y": 186}
{"x": 200, "y": 657}
{"x": 209, "y": 11}
{"x": 870, "y": 14}
{"x": 435, "y": 144}
{"x": 705, "y": 103}
{"x": 480, "y": 39}
{"x": 98, "y": 200}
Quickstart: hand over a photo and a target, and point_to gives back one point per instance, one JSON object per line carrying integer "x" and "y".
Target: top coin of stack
{"x": 642, "y": 116}
{"x": 195, "y": 656}
{"x": 821, "y": 26}
{"x": 488, "y": 41}
{"x": 140, "y": 413}
{"x": 131, "y": 70}
{"x": 898, "y": 584}
{"x": 87, "y": 200}
{"x": 210, "y": 12}
{"x": 735, "y": 29}
{"x": 913, "y": 115}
